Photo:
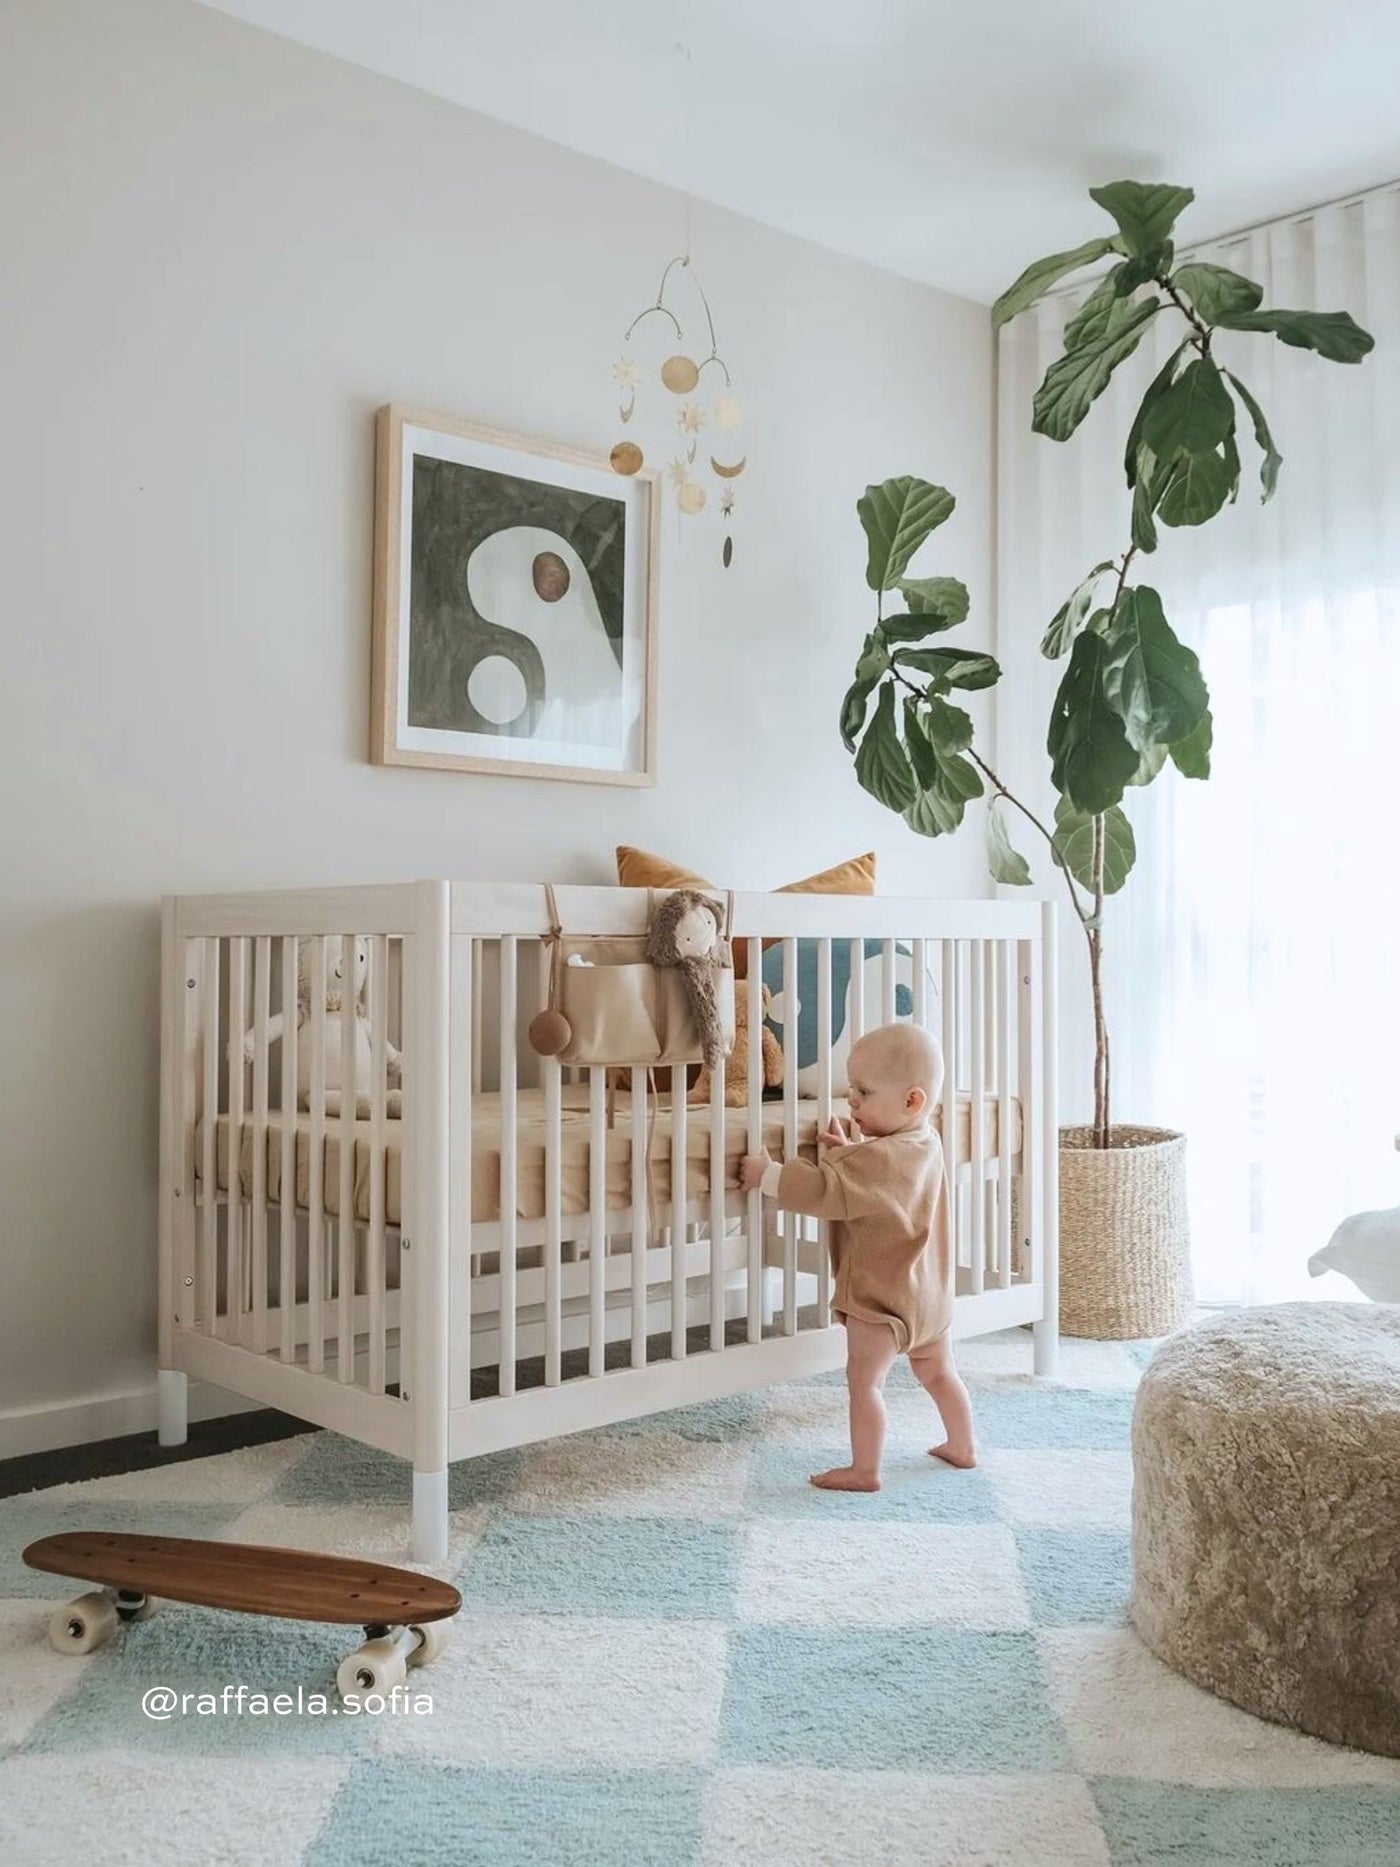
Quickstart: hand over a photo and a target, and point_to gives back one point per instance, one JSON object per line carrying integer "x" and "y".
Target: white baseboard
{"x": 105, "y": 1416}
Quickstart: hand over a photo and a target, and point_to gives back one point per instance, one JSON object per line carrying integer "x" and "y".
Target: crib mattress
{"x": 530, "y": 1152}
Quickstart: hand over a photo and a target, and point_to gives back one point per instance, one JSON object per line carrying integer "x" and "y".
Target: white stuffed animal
{"x": 1365, "y": 1248}
{"x": 364, "y": 1053}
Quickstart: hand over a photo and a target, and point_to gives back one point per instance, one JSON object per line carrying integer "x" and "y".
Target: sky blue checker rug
{"x": 674, "y": 1651}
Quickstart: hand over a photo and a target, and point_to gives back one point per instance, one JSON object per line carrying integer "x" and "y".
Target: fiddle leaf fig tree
{"x": 1132, "y": 698}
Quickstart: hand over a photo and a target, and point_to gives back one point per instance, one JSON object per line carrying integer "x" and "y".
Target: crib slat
{"x": 1025, "y": 1244}
{"x": 597, "y": 1212}
{"x": 553, "y": 1221}
{"x": 237, "y": 1078}
{"x": 287, "y": 1135}
{"x": 378, "y": 1007}
{"x": 753, "y": 985}
{"x": 920, "y": 964}
{"x": 509, "y": 1196}
{"x": 977, "y": 1203}
{"x": 316, "y": 1196}
{"x": 790, "y": 1068}
{"x": 641, "y": 1218}
{"x": 478, "y": 1022}
{"x": 717, "y": 1169}
{"x": 207, "y": 1304}
{"x": 679, "y": 1202}
{"x": 262, "y": 993}
{"x": 887, "y": 982}
{"x": 948, "y": 1128}
{"x": 345, "y": 1269}
{"x": 823, "y": 1119}
{"x": 1006, "y": 998}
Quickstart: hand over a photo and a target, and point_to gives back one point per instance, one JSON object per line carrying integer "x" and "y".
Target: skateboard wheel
{"x": 378, "y": 1666}
{"x": 82, "y": 1625}
{"x": 432, "y": 1638}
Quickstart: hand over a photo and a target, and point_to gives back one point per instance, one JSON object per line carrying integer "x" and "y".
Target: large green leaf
{"x": 1273, "y": 459}
{"x": 873, "y": 664}
{"x": 909, "y": 628}
{"x": 1158, "y": 387}
{"x": 941, "y": 597}
{"x": 1040, "y": 276}
{"x": 1150, "y": 762}
{"x": 1105, "y": 308}
{"x": 1092, "y": 759}
{"x": 949, "y": 727}
{"x": 1146, "y": 212}
{"x": 1070, "y": 617}
{"x": 1150, "y": 677}
{"x": 1006, "y": 864}
{"x": 918, "y": 744}
{"x": 1191, "y": 755}
{"x": 898, "y": 516}
{"x": 946, "y": 780}
{"x": 938, "y": 810}
{"x": 1198, "y": 486}
{"x": 1215, "y": 290}
{"x": 954, "y": 667}
{"x": 1192, "y": 416}
{"x": 853, "y": 711}
{"x": 1075, "y": 379}
{"x": 1074, "y": 843}
{"x": 1151, "y": 482}
{"x": 1332, "y": 334}
{"x": 881, "y": 764}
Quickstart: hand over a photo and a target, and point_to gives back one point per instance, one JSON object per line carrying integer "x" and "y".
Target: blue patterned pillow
{"x": 808, "y": 1078}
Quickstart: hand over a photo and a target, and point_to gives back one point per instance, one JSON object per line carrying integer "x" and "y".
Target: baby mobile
{"x": 696, "y": 460}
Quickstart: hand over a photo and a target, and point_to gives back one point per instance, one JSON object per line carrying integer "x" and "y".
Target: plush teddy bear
{"x": 364, "y": 1051}
{"x": 736, "y": 1065}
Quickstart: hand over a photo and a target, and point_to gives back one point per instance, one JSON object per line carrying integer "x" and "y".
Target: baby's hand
{"x": 751, "y": 1171}
{"x": 834, "y": 1134}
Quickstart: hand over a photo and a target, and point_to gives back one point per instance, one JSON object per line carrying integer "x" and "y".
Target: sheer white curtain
{"x": 1253, "y": 960}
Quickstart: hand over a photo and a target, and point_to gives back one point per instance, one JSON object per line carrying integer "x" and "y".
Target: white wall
{"x": 221, "y": 252}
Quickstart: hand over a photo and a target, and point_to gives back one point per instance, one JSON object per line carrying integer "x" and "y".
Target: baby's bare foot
{"x": 844, "y": 1478}
{"x": 963, "y": 1457}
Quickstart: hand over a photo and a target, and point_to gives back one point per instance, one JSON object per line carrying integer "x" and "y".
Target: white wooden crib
{"x": 401, "y": 1295}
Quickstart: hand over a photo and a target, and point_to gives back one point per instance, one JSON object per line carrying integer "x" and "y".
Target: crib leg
{"x": 1047, "y": 1345}
{"x": 172, "y": 1407}
{"x": 429, "y": 1517}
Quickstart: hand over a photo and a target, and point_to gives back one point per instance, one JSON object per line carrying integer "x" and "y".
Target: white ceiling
{"x": 948, "y": 140}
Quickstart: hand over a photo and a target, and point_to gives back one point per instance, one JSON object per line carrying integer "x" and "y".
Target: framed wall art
{"x": 514, "y": 605}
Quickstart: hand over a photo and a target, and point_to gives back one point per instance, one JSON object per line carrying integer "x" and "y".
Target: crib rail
{"x": 381, "y": 1211}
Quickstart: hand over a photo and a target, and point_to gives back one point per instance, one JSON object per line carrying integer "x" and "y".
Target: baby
{"x": 883, "y": 1187}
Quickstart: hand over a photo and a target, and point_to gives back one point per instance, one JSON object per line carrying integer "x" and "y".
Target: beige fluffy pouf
{"x": 1266, "y": 1515}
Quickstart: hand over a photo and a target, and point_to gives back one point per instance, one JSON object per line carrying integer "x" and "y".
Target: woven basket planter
{"x": 1125, "y": 1264}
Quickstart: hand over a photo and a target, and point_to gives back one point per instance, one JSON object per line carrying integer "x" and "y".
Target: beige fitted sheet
{"x": 530, "y": 1152}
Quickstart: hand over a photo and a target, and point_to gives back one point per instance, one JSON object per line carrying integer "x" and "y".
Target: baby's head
{"x": 894, "y": 1077}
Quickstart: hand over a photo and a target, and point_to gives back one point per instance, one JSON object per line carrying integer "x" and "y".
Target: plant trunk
{"x": 1095, "y": 973}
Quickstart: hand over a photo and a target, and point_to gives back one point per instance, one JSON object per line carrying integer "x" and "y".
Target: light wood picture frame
{"x": 515, "y": 605}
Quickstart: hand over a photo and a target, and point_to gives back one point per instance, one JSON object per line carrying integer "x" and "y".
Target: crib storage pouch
{"x": 608, "y": 1004}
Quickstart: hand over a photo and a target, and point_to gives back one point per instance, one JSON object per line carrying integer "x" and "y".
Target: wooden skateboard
{"x": 402, "y": 1613}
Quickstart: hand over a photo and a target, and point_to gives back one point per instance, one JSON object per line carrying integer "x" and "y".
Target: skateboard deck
{"x": 247, "y": 1578}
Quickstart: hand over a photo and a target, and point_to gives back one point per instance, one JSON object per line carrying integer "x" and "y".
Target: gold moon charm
{"x": 691, "y": 497}
{"x": 727, "y": 554}
{"x": 680, "y": 375}
{"x": 626, "y": 457}
{"x": 729, "y": 473}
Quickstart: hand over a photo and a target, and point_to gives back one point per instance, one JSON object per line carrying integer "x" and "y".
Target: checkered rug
{"x": 673, "y": 1650}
